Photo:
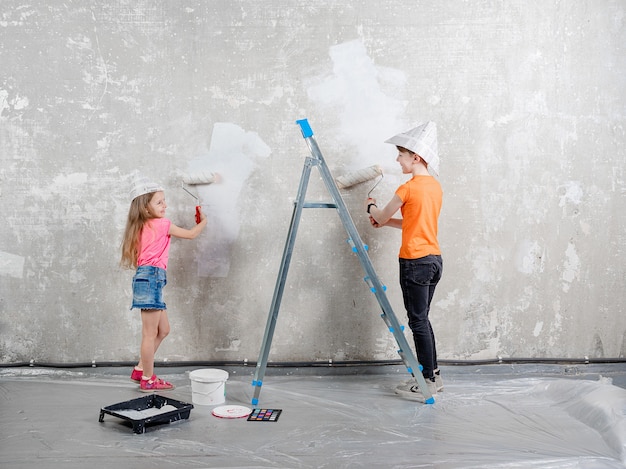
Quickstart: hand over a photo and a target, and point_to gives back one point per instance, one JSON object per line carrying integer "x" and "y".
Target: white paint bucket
{"x": 208, "y": 386}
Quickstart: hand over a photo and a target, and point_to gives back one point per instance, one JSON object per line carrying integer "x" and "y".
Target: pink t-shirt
{"x": 155, "y": 243}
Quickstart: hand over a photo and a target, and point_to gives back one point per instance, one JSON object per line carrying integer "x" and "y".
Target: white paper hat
{"x": 421, "y": 140}
{"x": 142, "y": 185}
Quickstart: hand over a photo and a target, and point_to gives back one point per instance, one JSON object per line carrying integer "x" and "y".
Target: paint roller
{"x": 357, "y": 177}
{"x": 199, "y": 177}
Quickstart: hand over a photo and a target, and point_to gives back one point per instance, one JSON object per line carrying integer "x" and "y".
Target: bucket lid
{"x": 208, "y": 375}
{"x": 231, "y": 411}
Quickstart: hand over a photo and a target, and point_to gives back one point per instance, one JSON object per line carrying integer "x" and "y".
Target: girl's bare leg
{"x": 155, "y": 327}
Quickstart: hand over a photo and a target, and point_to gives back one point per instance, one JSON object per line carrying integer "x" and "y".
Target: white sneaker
{"x": 439, "y": 382}
{"x": 411, "y": 390}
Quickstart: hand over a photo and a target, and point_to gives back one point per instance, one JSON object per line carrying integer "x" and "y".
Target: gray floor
{"x": 496, "y": 416}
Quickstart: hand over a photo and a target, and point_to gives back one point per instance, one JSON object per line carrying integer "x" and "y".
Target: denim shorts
{"x": 148, "y": 284}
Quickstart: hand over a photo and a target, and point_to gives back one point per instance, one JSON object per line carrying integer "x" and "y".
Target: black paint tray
{"x": 147, "y": 410}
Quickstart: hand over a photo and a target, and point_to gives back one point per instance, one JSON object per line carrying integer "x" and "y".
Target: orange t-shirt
{"x": 421, "y": 203}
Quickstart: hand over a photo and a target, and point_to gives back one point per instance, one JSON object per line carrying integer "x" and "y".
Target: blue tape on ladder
{"x": 354, "y": 249}
{"x": 305, "y": 128}
{"x": 257, "y": 384}
{"x": 391, "y": 330}
{"x": 431, "y": 400}
{"x": 371, "y": 285}
{"x": 409, "y": 369}
{"x": 255, "y": 401}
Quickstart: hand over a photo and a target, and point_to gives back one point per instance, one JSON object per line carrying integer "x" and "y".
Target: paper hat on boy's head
{"x": 142, "y": 185}
{"x": 421, "y": 140}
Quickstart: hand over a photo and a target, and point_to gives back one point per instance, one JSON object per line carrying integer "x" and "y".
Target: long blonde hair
{"x": 138, "y": 214}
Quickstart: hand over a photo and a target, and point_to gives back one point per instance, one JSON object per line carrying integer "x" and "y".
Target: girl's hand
{"x": 200, "y": 216}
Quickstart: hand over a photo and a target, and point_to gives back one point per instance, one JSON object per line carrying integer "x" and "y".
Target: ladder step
{"x": 353, "y": 246}
{"x": 371, "y": 285}
{"x": 391, "y": 328}
{"x": 319, "y": 205}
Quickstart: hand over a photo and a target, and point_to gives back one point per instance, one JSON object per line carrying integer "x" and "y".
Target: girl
{"x": 419, "y": 200}
{"x": 146, "y": 247}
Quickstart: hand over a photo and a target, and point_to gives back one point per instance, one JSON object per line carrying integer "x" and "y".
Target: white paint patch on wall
{"x": 530, "y": 257}
{"x": 570, "y": 192}
{"x": 571, "y": 267}
{"x": 11, "y": 265}
{"x": 18, "y": 103}
{"x": 363, "y": 96}
{"x": 17, "y": 16}
{"x": 234, "y": 153}
{"x": 64, "y": 185}
{"x": 4, "y": 101}
{"x": 538, "y": 328}
{"x": 449, "y": 301}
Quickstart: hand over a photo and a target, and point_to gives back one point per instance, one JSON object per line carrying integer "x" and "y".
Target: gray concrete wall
{"x": 529, "y": 97}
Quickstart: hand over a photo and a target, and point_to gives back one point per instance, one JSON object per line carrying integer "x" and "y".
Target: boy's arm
{"x": 394, "y": 223}
{"x": 382, "y": 216}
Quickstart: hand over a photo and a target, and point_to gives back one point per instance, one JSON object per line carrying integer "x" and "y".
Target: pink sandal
{"x": 136, "y": 375}
{"x": 155, "y": 384}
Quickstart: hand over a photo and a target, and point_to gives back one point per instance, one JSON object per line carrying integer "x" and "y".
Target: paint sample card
{"x": 264, "y": 415}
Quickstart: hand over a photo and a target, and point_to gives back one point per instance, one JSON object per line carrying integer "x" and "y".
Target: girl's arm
{"x": 184, "y": 233}
{"x": 382, "y": 216}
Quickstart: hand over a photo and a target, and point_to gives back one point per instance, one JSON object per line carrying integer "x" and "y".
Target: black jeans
{"x": 418, "y": 279}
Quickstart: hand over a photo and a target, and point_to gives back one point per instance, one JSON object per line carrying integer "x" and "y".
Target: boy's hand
{"x": 374, "y": 223}
{"x": 368, "y": 201}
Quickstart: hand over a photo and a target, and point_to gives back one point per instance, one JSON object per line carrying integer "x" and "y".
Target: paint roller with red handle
{"x": 201, "y": 177}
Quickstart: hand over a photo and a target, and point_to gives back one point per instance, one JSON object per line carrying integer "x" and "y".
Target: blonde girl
{"x": 145, "y": 247}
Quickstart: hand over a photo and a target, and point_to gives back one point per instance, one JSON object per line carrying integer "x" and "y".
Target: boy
{"x": 419, "y": 201}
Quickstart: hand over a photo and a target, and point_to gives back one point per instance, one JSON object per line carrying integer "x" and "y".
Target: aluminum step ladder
{"x": 371, "y": 278}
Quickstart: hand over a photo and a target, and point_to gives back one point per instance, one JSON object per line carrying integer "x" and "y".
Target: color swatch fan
{"x": 264, "y": 415}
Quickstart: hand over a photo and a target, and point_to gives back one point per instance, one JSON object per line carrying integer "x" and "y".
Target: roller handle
{"x": 198, "y": 217}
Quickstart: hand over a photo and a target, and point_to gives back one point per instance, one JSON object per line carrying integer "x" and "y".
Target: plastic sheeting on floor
{"x": 514, "y": 417}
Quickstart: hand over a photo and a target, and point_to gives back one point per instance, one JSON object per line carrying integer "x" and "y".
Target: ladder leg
{"x": 261, "y": 365}
{"x": 413, "y": 366}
